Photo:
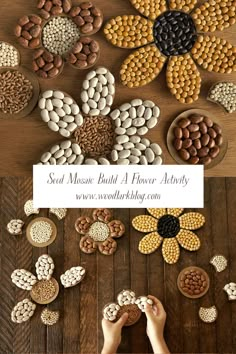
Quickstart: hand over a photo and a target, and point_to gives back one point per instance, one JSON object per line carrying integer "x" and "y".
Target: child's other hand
{"x": 112, "y": 334}
{"x": 156, "y": 319}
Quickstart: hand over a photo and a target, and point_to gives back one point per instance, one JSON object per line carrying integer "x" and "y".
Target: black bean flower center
{"x": 168, "y": 226}
{"x": 174, "y": 33}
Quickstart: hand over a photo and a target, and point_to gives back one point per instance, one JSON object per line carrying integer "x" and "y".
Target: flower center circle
{"x": 99, "y": 231}
{"x": 168, "y": 226}
{"x": 174, "y": 33}
{"x": 59, "y": 35}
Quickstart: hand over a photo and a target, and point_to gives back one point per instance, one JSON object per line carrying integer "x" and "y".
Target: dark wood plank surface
{"x": 23, "y": 141}
{"x": 79, "y": 328}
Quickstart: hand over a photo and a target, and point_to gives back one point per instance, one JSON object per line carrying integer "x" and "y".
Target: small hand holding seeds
{"x": 112, "y": 334}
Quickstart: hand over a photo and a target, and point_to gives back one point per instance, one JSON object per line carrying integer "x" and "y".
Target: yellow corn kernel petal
{"x": 188, "y": 240}
{"x": 150, "y": 8}
{"x": 184, "y": 5}
{"x": 170, "y": 250}
{"x": 142, "y": 66}
{"x": 157, "y": 212}
{"x": 191, "y": 221}
{"x": 215, "y": 15}
{"x": 214, "y": 54}
{"x": 175, "y": 211}
{"x": 150, "y": 243}
{"x": 129, "y": 31}
{"x": 183, "y": 78}
{"x": 144, "y": 223}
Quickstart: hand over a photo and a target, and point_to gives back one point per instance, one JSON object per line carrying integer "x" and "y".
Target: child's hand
{"x": 156, "y": 319}
{"x": 112, "y": 334}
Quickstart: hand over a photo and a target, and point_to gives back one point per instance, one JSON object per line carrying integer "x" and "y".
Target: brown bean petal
{"x": 184, "y": 123}
{"x": 187, "y": 143}
{"x": 214, "y": 152}
{"x": 219, "y": 140}
{"x": 193, "y": 128}
{"x": 205, "y": 139}
{"x": 197, "y": 143}
{"x": 178, "y": 133}
{"x": 205, "y": 160}
{"x": 203, "y": 152}
{"x": 178, "y": 144}
{"x": 208, "y": 122}
{"x": 195, "y": 135}
{"x": 196, "y": 118}
{"x": 192, "y": 150}
{"x": 193, "y": 160}
{"x": 184, "y": 154}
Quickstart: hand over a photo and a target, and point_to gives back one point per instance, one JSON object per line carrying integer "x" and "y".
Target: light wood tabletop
{"x": 23, "y": 141}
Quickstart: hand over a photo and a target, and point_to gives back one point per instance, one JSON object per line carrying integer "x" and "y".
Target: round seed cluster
{"x": 174, "y": 33}
{"x": 129, "y": 31}
{"x": 47, "y": 65}
{"x": 230, "y": 289}
{"x": 142, "y": 66}
{"x": 29, "y": 208}
{"x": 72, "y": 276}
{"x": 224, "y": 93}
{"x": 102, "y": 214}
{"x": 108, "y": 247}
{"x": 9, "y": 56}
{"x": 99, "y": 231}
{"x": 44, "y": 267}
{"x": 41, "y": 231}
{"x": 184, "y": 5}
{"x": 60, "y": 213}
{"x": 53, "y": 7}
{"x": 215, "y": 15}
{"x": 208, "y": 314}
{"x": 23, "y": 311}
{"x": 110, "y": 311}
{"x": 88, "y": 245}
{"x": 60, "y": 112}
{"x": 183, "y": 79}
{"x": 65, "y": 153}
{"x": 150, "y": 9}
{"x": 188, "y": 241}
{"x": 43, "y": 290}
{"x": 193, "y": 282}
{"x": 14, "y": 227}
{"x": 23, "y": 279}
{"x": 126, "y": 297}
{"x": 83, "y": 224}
{"x": 219, "y": 262}
{"x": 84, "y": 54}
{"x": 49, "y": 318}
{"x": 214, "y": 54}
{"x": 149, "y": 243}
{"x": 117, "y": 228}
{"x": 168, "y": 226}
{"x": 98, "y": 92}
{"x": 192, "y": 221}
{"x": 142, "y": 301}
{"x": 170, "y": 251}
{"x": 59, "y": 35}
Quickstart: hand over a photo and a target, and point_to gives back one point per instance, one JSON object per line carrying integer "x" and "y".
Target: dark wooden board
{"x": 79, "y": 328}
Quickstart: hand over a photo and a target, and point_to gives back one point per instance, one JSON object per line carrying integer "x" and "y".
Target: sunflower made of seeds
{"x": 60, "y": 34}
{"x": 169, "y": 228}
{"x": 99, "y": 232}
{"x": 172, "y": 33}
{"x": 43, "y": 289}
{"x": 97, "y": 134}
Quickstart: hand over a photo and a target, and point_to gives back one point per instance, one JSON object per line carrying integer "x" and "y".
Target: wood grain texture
{"x": 23, "y": 141}
{"x": 79, "y": 328}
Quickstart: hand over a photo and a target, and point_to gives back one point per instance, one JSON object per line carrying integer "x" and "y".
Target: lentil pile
{"x": 43, "y": 290}
{"x": 224, "y": 93}
{"x": 208, "y": 314}
{"x": 95, "y": 136}
{"x": 41, "y": 231}
{"x": 193, "y": 282}
{"x": 16, "y": 92}
{"x": 49, "y": 318}
{"x": 197, "y": 139}
{"x": 174, "y": 33}
{"x": 59, "y": 35}
{"x": 8, "y": 55}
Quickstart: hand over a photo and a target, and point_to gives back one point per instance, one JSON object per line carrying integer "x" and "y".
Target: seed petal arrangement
{"x": 43, "y": 289}
{"x": 99, "y": 135}
{"x": 60, "y": 34}
{"x": 171, "y": 229}
{"x": 99, "y": 232}
{"x": 224, "y": 94}
{"x": 126, "y": 302}
{"x": 170, "y": 34}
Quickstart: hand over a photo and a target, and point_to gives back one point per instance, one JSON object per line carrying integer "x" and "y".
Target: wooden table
{"x": 79, "y": 329}
{"x": 23, "y": 141}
